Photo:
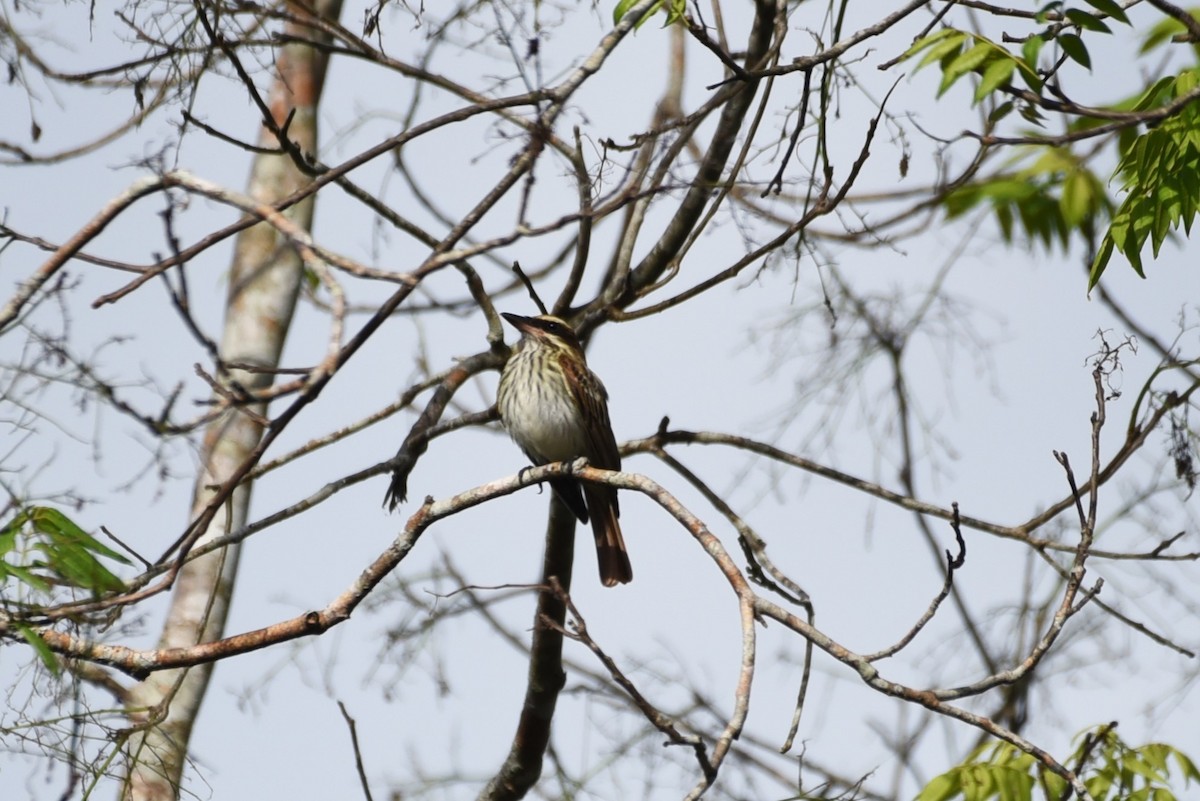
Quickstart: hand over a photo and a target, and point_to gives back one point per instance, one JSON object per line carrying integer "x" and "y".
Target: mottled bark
{"x": 264, "y": 284}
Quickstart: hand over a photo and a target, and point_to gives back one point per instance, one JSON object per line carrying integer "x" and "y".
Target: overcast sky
{"x": 735, "y": 360}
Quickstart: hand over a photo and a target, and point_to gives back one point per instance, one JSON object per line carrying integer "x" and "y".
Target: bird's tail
{"x": 610, "y": 545}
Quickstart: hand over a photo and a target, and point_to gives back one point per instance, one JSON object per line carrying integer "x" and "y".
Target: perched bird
{"x": 556, "y": 409}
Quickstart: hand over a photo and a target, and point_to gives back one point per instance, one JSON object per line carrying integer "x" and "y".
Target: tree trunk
{"x": 264, "y": 284}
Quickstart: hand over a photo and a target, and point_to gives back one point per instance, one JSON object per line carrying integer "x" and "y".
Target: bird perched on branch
{"x": 556, "y": 409}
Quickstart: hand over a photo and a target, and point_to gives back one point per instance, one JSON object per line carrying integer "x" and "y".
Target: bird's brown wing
{"x": 592, "y": 399}
{"x": 603, "y": 500}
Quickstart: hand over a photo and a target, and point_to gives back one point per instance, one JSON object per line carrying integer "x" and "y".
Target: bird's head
{"x": 545, "y": 328}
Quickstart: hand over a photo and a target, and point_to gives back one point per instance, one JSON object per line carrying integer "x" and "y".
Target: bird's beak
{"x": 522, "y": 324}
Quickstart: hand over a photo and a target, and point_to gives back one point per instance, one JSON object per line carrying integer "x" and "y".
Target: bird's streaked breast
{"x": 540, "y": 415}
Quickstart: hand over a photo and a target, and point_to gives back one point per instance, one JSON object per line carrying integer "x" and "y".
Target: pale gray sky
{"x": 271, "y": 728}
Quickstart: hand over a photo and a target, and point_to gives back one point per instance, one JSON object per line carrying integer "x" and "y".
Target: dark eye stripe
{"x": 552, "y": 327}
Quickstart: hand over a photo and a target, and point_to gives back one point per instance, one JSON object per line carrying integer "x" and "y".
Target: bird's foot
{"x": 525, "y": 471}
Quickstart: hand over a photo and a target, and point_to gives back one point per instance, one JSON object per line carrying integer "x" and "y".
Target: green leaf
{"x": 1098, "y": 786}
{"x": 676, "y": 12}
{"x": 1004, "y": 218}
{"x": 1100, "y": 262}
{"x": 1034, "y": 82}
{"x": 1000, "y": 112}
{"x": 54, "y": 523}
{"x": 1186, "y": 82}
{"x": 8, "y": 537}
{"x": 1135, "y": 259}
{"x": 621, "y": 9}
{"x": 1186, "y": 765}
{"x": 977, "y": 783}
{"x": 1155, "y": 755}
{"x": 623, "y": 6}
{"x": 995, "y": 75}
{"x": 40, "y": 647}
{"x": 1031, "y": 49}
{"x": 1076, "y": 200}
{"x": 77, "y": 568}
{"x": 964, "y": 63}
{"x": 1109, "y": 8}
{"x": 1089, "y": 22}
{"x": 68, "y": 551}
{"x": 929, "y": 41}
{"x": 1030, "y": 113}
{"x": 1112, "y": 771}
{"x": 1043, "y": 14}
{"x": 942, "y": 788}
{"x": 1073, "y": 46}
{"x": 1138, "y": 766}
{"x": 947, "y": 45}
{"x": 28, "y": 577}
{"x": 1008, "y": 783}
{"x": 1161, "y": 227}
{"x": 1055, "y": 785}
{"x": 1156, "y": 94}
{"x": 1166, "y": 30}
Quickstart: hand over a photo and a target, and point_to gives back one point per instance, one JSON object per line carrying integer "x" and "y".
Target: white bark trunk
{"x": 264, "y": 284}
